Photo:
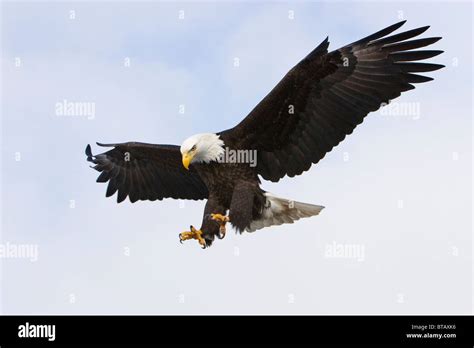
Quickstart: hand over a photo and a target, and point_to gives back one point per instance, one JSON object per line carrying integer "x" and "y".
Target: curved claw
{"x": 221, "y": 234}
{"x": 221, "y": 220}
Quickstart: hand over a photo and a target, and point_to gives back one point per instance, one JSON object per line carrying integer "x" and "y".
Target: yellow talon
{"x": 221, "y": 220}
{"x": 193, "y": 234}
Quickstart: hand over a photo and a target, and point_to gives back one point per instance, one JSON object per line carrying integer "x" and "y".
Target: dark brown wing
{"x": 146, "y": 172}
{"x": 325, "y": 96}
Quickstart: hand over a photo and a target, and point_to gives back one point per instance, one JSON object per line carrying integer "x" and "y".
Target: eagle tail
{"x": 278, "y": 211}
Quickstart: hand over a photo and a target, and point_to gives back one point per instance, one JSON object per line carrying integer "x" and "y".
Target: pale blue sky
{"x": 404, "y": 194}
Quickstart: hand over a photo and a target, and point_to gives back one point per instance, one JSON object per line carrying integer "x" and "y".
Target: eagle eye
{"x": 193, "y": 148}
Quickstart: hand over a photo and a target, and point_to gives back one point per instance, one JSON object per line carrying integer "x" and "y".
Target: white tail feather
{"x": 280, "y": 211}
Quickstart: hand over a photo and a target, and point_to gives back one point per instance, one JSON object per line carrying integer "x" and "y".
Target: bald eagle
{"x": 311, "y": 110}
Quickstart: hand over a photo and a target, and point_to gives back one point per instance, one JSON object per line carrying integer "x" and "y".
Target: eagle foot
{"x": 221, "y": 220}
{"x": 193, "y": 234}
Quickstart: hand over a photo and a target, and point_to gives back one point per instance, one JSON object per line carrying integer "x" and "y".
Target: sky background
{"x": 399, "y": 188}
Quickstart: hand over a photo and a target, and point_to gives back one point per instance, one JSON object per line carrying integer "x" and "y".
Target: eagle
{"x": 311, "y": 110}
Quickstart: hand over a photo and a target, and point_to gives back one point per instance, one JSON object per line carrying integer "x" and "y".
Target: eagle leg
{"x": 193, "y": 234}
{"x": 221, "y": 220}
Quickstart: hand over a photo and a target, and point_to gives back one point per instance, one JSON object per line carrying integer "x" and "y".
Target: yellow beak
{"x": 187, "y": 158}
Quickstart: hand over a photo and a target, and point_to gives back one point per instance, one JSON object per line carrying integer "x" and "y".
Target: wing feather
{"x": 330, "y": 93}
{"x": 142, "y": 171}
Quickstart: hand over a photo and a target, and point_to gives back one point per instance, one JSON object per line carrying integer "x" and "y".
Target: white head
{"x": 200, "y": 148}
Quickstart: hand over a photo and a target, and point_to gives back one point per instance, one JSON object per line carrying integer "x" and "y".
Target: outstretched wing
{"x": 146, "y": 172}
{"x": 325, "y": 96}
